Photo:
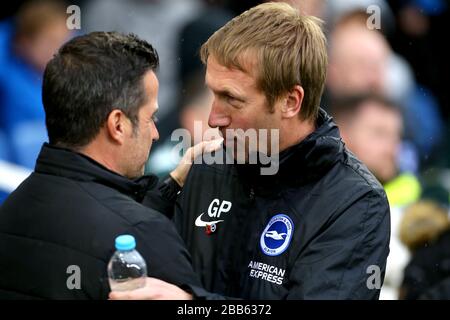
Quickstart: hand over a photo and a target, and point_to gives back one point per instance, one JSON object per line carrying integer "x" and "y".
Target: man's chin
{"x": 238, "y": 155}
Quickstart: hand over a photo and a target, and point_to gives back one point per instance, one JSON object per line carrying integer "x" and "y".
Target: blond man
{"x": 316, "y": 229}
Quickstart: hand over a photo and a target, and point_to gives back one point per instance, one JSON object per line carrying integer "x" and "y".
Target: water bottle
{"x": 126, "y": 269}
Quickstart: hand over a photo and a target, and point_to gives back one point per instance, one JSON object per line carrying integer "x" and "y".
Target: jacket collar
{"x": 302, "y": 163}
{"x": 66, "y": 163}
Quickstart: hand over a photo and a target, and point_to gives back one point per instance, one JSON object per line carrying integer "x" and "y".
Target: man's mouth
{"x": 222, "y": 132}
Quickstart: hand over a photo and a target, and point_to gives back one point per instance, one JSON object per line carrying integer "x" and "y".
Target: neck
{"x": 294, "y": 133}
{"x": 102, "y": 154}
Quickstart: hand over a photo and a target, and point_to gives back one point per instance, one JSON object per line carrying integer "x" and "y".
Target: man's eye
{"x": 155, "y": 119}
{"x": 230, "y": 99}
{"x": 233, "y": 101}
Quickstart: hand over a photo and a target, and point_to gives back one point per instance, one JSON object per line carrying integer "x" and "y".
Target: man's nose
{"x": 217, "y": 118}
{"x": 156, "y": 134}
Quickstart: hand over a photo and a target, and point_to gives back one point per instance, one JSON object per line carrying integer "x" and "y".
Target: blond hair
{"x": 422, "y": 222}
{"x": 290, "y": 50}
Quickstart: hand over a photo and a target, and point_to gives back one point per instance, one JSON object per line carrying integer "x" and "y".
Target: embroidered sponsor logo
{"x": 215, "y": 210}
{"x": 266, "y": 272}
{"x": 277, "y": 235}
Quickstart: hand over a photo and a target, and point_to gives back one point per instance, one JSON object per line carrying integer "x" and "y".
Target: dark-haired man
{"x": 100, "y": 99}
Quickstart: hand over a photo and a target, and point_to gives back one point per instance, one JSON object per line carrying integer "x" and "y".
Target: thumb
{"x": 213, "y": 145}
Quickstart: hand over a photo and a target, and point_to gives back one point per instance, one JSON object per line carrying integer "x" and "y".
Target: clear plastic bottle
{"x": 127, "y": 269}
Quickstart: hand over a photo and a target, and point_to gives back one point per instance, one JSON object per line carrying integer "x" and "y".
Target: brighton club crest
{"x": 277, "y": 235}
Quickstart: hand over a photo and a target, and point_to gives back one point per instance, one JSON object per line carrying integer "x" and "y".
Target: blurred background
{"x": 386, "y": 88}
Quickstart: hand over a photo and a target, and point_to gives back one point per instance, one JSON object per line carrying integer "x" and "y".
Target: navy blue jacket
{"x": 68, "y": 213}
{"x": 318, "y": 229}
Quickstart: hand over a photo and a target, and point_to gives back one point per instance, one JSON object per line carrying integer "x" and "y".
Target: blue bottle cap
{"x": 125, "y": 242}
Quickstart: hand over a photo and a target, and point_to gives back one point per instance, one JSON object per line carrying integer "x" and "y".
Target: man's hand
{"x": 181, "y": 171}
{"x": 154, "y": 289}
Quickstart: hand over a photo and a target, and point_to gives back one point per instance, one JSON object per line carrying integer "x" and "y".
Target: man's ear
{"x": 116, "y": 126}
{"x": 292, "y": 102}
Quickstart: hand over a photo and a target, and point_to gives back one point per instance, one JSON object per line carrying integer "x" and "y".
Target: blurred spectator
{"x": 358, "y": 60}
{"x": 26, "y": 44}
{"x": 317, "y": 8}
{"x": 361, "y": 60}
{"x": 371, "y": 128}
{"x": 425, "y": 230}
{"x": 421, "y": 224}
{"x": 338, "y": 10}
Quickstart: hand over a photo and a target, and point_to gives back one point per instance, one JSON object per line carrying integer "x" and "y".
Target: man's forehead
{"x": 151, "y": 78}
{"x": 218, "y": 74}
{"x": 151, "y": 83}
{"x": 246, "y": 62}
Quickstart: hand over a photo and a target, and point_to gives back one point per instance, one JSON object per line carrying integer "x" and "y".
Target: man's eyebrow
{"x": 228, "y": 93}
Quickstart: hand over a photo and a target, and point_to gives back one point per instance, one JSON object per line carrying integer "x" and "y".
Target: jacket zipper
{"x": 252, "y": 194}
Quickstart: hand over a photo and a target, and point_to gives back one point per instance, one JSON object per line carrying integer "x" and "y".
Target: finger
{"x": 200, "y": 148}
{"x": 194, "y": 152}
{"x": 213, "y": 145}
{"x": 138, "y": 294}
{"x": 114, "y": 295}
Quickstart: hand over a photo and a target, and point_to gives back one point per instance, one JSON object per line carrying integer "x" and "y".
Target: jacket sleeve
{"x": 162, "y": 197}
{"x": 347, "y": 258}
{"x": 167, "y": 257}
{"x": 164, "y": 251}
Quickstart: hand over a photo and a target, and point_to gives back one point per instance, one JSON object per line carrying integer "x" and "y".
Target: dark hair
{"x": 347, "y": 106}
{"x": 90, "y": 76}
